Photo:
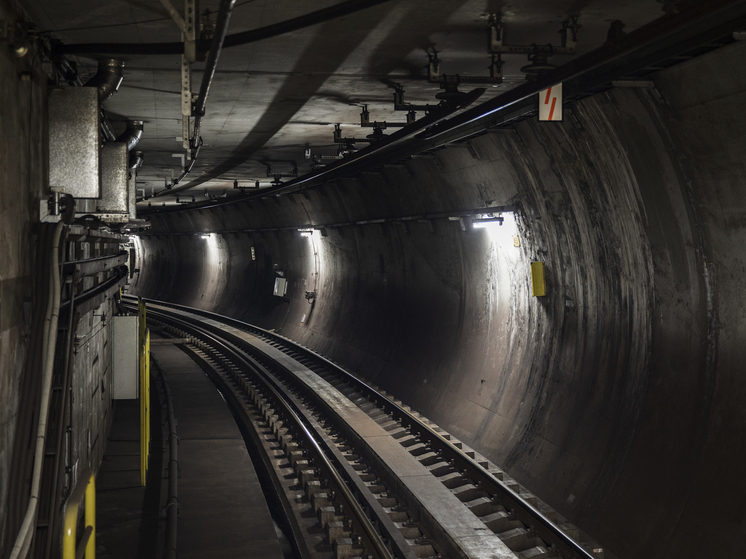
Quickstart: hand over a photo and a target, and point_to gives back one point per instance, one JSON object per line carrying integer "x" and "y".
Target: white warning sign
{"x": 550, "y": 103}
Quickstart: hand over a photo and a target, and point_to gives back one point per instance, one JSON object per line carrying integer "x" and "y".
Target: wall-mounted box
{"x": 538, "y": 283}
{"x": 125, "y": 358}
{"x": 281, "y": 287}
{"x": 74, "y": 141}
{"x": 114, "y": 182}
{"x": 132, "y": 195}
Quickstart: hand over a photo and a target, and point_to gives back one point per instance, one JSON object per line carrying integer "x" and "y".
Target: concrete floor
{"x": 125, "y": 525}
{"x": 222, "y": 510}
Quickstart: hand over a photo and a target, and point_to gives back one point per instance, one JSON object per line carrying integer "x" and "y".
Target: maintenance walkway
{"x": 222, "y": 511}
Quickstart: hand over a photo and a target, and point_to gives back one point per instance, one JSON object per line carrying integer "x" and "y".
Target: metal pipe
{"x": 135, "y": 160}
{"x": 26, "y": 533}
{"x": 132, "y": 134}
{"x": 72, "y": 324}
{"x": 244, "y": 38}
{"x": 221, "y": 29}
{"x": 106, "y": 129}
{"x": 107, "y": 79}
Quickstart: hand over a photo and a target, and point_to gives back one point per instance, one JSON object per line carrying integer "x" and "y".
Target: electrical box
{"x": 125, "y": 358}
{"x": 114, "y": 183}
{"x": 538, "y": 284}
{"x": 74, "y": 141}
{"x": 281, "y": 287}
{"x": 132, "y": 194}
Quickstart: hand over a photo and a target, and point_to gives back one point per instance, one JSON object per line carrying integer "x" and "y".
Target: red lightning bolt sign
{"x": 550, "y": 104}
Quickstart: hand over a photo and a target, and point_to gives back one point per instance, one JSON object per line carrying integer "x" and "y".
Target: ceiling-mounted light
{"x": 487, "y": 222}
{"x": 305, "y": 232}
{"x": 205, "y": 236}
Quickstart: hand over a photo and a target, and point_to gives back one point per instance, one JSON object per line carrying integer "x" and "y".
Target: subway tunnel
{"x": 616, "y": 396}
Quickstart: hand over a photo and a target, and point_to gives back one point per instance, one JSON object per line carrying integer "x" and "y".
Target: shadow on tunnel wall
{"x": 323, "y": 55}
{"x": 618, "y": 397}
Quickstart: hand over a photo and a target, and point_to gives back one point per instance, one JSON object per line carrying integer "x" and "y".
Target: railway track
{"x": 358, "y": 473}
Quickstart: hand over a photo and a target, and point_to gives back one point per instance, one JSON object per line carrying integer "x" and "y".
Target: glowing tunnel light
{"x": 488, "y": 222}
{"x": 502, "y": 229}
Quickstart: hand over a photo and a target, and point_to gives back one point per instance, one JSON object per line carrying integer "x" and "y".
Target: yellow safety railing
{"x": 144, "y": 393}
{"x": 86, "y": 488}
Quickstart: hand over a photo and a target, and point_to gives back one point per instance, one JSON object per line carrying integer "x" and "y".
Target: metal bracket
{"x": 645, "y": 84}
{"x": 186, "y": 102}
{"x": 348, "y": 144}
{"x": 191, "y": 29}
{"x": 451, "y": 82}
{"x": 568, "y": 44}
{"x": 366, "y": 123}
{"x": 400, "y": 105}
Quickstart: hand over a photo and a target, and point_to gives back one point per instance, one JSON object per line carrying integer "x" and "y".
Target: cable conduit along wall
{"x": 25, "y": 536}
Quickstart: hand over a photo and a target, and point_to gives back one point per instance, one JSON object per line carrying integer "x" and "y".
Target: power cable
{"x": 131, "y": 22}
{"x": 237, "y": 39}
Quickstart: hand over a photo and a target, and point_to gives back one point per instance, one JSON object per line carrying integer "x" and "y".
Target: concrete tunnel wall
{"x": 618, "y": 397}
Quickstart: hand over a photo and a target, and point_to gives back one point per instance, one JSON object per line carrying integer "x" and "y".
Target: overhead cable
{"x": 237, "y": 39}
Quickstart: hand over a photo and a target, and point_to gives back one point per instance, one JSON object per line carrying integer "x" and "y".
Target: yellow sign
{"x": 538, "y": 284}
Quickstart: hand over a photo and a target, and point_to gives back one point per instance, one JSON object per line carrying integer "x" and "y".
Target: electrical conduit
{"x": 25, "y": 535}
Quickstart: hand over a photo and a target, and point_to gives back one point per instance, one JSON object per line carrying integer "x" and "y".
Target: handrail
{"x": 87, "y": 544}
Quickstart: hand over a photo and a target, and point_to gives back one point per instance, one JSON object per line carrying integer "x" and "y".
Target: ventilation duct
{"x": 131, "y": 136}
{"x": 107, "y": 79}
{"x": 135, "y": 160}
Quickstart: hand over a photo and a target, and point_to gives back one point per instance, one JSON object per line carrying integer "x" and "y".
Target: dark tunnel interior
{"x": 616, "y": 396}
{"x": 607, "y": 396}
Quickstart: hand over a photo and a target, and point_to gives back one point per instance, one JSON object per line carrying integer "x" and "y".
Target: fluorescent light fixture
{"x": 305, "y": 232}
{"x": 205, "y": 236}
{"x": 487, "y": 222}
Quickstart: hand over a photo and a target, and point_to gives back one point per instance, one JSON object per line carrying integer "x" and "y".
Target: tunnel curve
{"x": 610, "y": 396}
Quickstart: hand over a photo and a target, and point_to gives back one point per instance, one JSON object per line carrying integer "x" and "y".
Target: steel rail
{"x": 511, "y": 500}
{"x": 296, "y": 415}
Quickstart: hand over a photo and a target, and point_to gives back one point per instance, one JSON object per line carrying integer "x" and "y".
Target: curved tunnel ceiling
{"x": 271, "y": 99}
{"x": 617, "y": 397}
